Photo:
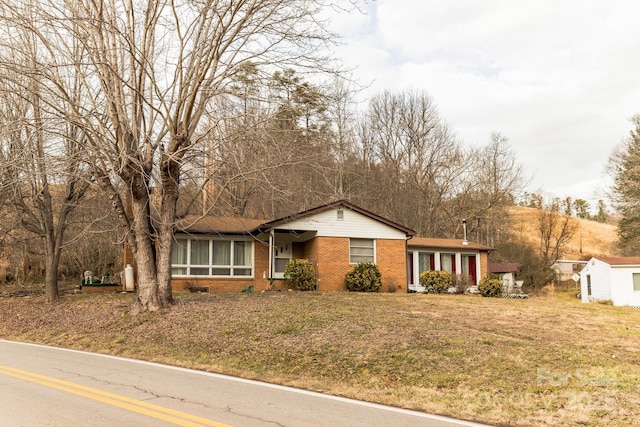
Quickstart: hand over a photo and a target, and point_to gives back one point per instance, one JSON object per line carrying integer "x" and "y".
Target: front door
{"x": 469, "y": 268}
{"x": 281, "y": 256}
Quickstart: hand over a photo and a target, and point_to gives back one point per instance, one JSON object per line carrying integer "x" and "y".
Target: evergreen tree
{"x": 602, "y": 215}
{"x": 624, "y": 167}
{"x": 581, "y": 207}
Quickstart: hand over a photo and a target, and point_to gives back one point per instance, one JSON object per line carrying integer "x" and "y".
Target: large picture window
{"x": 425, "y": 262}
{"x": 361, "y": 250}
{"x": 212, "y": 257}
{"x": 448, "y": 263}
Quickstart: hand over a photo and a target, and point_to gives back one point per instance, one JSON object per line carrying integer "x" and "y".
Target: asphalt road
{"x": 47, "y": 386}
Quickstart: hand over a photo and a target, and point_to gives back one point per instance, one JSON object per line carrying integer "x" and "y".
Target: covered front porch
{"x": 284, "y": 245}
{"x": 466, "y": 261}
{"x": 461, "y": 266}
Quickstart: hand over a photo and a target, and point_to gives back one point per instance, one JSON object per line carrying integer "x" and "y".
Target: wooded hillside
{"x": 590, "y": 239}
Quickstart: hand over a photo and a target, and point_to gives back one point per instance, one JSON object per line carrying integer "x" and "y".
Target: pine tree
{"x": 624, "y": 167}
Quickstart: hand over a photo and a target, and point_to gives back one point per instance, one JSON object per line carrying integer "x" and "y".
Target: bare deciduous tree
{"x": 497, "y": 179}
{"x": 556, "y": 231}
{"x": 41, "y": 164}
{"x": 148, "y": 73}
{"x": 412, "y": 158}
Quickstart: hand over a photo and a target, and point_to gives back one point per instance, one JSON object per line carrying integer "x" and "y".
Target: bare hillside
{"x": 591, "y": 239}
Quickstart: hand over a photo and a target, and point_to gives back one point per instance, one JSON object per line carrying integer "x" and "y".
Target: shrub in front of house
{"x": 363, "y": 277}
{"x": 300, "y": 274}
{"x": 436, "y": 282}
{"x": 489, "y": 287}
{"x": 462, "y": 284}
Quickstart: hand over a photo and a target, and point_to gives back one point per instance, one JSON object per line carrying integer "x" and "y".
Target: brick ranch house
{"x": 232, "y": 254}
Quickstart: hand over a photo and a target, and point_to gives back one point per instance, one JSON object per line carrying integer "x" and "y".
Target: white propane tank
{"x": 129, "y": 283}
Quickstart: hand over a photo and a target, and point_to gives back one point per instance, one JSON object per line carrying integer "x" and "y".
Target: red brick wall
{"x": 391, "y": 258}
{"x": 331, "y": 256}
{"x": 310, "y": 251}
{"x": 484, "y": 265}
{"x": 297, "y": 250}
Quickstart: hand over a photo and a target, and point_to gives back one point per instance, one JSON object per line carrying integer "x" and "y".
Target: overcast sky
{"x": 559, "y": 78}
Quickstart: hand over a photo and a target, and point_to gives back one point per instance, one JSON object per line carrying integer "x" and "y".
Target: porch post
{"x": 458, "y": 261}
{"x": 271, "y": 242}
{"x": 415, "y": 271}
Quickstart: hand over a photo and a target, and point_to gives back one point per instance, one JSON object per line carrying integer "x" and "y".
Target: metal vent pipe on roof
{"x": 464, "y": 232}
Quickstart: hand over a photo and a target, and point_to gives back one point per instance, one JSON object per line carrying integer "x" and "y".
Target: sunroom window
{"x": 425, "y": 262}
{"x": 199, "y": 258}
{"x": 179, "y": 257}
{"x": 448, "y": 263}
{"x": 242, "y": 259}
{"x": 212, "y": 257}
{"x": 221, "y": 258}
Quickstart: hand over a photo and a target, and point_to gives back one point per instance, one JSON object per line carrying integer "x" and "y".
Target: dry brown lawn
{"x": 543, "y": 361}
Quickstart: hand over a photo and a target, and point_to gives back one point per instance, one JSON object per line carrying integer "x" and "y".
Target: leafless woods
{"x": 215, "y": 106}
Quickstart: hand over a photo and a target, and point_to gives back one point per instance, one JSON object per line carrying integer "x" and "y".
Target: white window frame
{"x": 232, "y": 267}
{"x": 636, "y": 286}
{"x": 432, "y": 256}
{"x": 351, "y": 246}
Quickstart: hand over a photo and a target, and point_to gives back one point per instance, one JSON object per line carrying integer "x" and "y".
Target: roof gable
{"x": 340, "y": 203}
{"x": 230, "y": 225}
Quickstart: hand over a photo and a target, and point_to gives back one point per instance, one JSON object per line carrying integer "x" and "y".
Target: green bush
{"x": 300, "y": 274}
{"x": 436, "y": 282}
{"x": 363, "y": 277}
{"x": 489, "y": 287}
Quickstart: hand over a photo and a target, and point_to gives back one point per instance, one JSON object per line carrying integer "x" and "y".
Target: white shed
{"x": 616, "y": 279}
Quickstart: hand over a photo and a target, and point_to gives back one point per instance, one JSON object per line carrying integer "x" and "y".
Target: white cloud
{"x": 557, "y": 77}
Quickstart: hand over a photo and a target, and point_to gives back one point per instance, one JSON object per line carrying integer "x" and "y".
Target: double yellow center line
{"x": 165, "y": 414}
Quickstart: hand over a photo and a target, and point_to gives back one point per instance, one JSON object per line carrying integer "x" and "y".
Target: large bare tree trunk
{"x": 52, "y": 261}
{"x": 139, "y": 77}
{"x": 170, "y": 178}
{"x": 144, "y": 252}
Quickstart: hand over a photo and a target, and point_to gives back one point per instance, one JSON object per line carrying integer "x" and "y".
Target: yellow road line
{"x": 165, "y": 414}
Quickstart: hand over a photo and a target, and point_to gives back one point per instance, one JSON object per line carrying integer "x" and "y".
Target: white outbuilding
{"x": 615, "y": 279}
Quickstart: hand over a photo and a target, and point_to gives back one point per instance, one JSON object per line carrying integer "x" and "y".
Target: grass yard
{"x": 542, "y": 361}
